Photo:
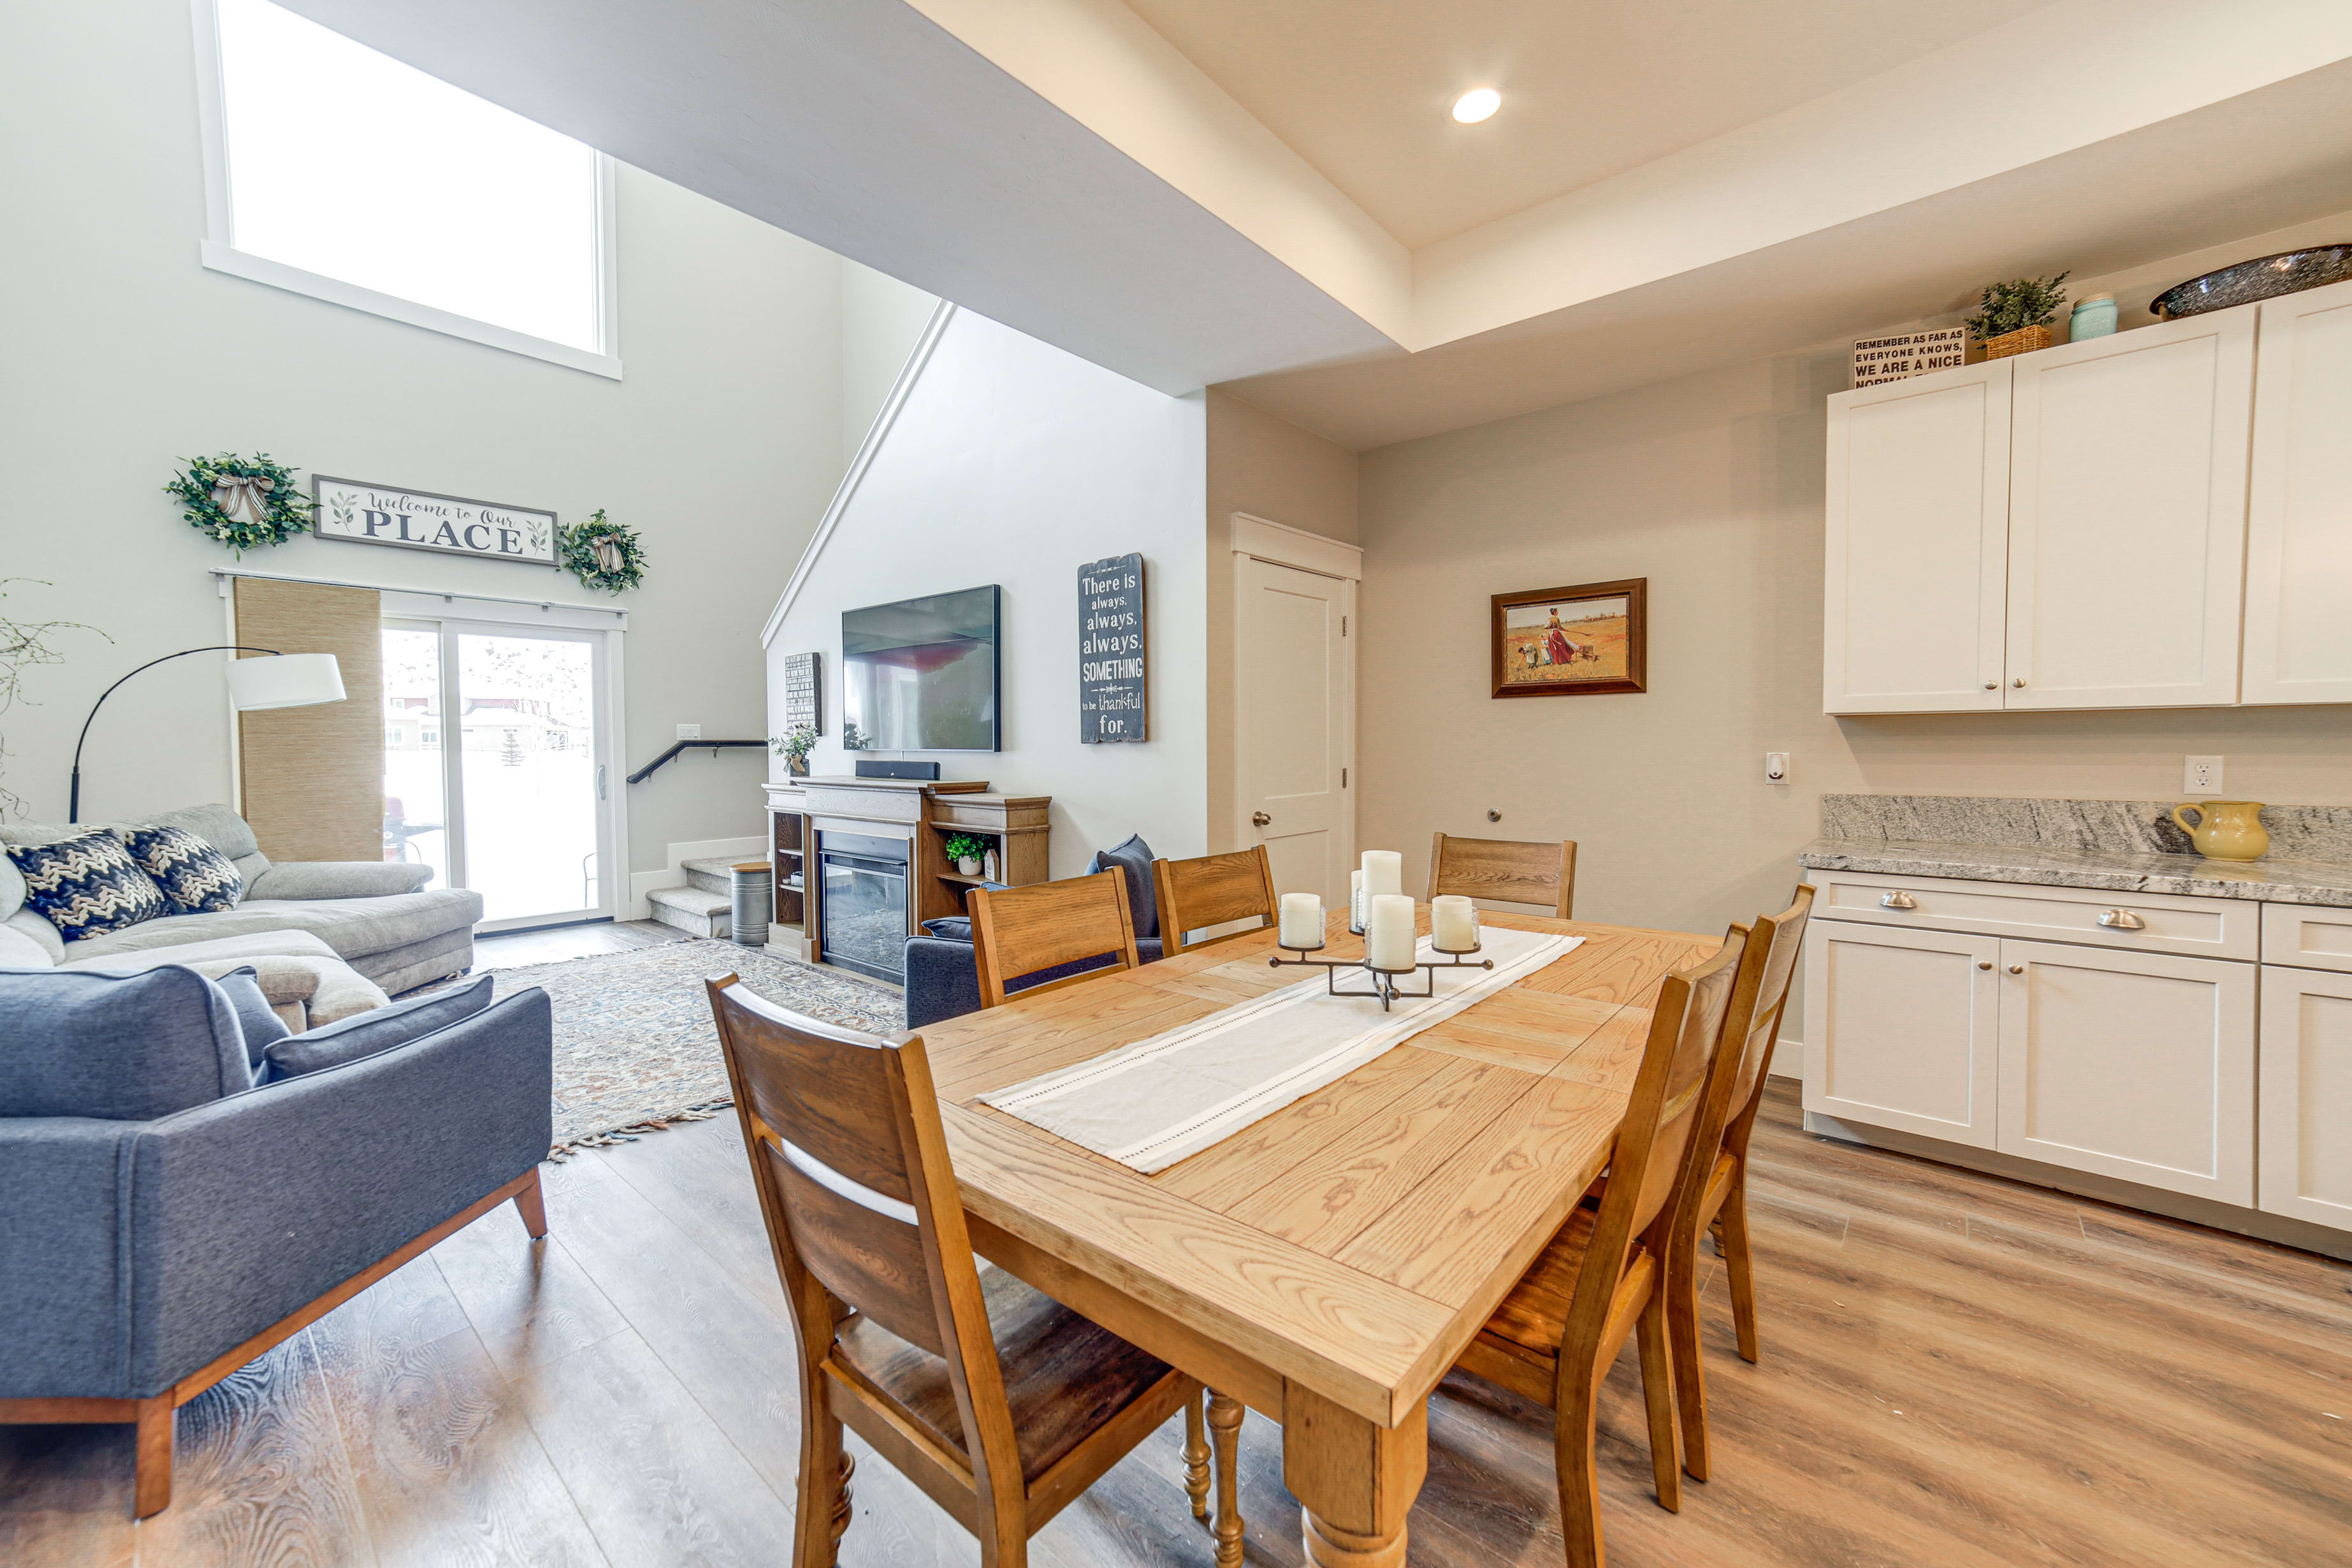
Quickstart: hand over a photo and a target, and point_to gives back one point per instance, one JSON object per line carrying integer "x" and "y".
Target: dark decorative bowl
{"x": 2264, "y": 278}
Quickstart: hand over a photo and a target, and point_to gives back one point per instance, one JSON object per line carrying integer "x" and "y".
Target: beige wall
{"x": 1270, "y": 468}
{"x": 1710, "y": 487}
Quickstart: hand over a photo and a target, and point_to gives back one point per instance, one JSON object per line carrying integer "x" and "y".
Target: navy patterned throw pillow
{"x": 87, "y": 885}
{"x": 196, "y": 878}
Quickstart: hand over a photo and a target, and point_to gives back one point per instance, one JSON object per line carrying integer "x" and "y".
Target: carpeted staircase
{"x": 705, "y": 906}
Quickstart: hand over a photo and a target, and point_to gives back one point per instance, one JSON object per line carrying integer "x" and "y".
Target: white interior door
{"x": 499, "y": 765}
{"x": 1917, "y": 545}
{"x": 1294, "y": 679}
{"x": 2127, "y": 517}
{"x": 2299, "y": 506}
{"x": 2138, "y": 1066}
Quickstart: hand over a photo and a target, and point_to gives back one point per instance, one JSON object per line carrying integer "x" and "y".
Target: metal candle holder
{"x": 1385, "y": 981}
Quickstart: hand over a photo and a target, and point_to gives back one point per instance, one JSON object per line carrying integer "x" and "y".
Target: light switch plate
{"x": 689, "y": 732}
{"x": 1776, "y": 767}
{"x": 2200, "y": 775}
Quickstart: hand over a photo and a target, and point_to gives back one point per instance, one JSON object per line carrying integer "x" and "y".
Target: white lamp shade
{"x": 284, "y": 680}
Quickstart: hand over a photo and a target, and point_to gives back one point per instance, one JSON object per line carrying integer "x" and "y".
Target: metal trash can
{"x": 751, "y": 884}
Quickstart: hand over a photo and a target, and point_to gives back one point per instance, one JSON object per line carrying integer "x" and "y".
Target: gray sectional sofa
{"x": 377, "y": 916}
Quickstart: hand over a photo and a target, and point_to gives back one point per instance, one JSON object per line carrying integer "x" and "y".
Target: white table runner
{"x": 1150, "y": 1104}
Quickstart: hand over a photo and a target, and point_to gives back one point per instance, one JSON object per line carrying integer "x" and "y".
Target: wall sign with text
{"x": 1110, "y": 650}
{"x": 419, "y": 519}
{"x": 1899, "y": 356}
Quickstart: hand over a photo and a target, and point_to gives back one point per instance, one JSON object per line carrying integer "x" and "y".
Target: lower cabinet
{"x": 1902, "y": 1029}
{"x": 2138, "y": 1066}
{"x": 2306, "y": 1111}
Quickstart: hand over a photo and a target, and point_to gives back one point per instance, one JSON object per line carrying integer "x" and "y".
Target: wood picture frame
{"x": 1576, "y": 641}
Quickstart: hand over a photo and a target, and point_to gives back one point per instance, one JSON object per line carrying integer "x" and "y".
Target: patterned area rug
{"x": 634, "y": 1046}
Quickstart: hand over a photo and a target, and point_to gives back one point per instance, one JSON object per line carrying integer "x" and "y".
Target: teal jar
{"x": 2093, "y": 317}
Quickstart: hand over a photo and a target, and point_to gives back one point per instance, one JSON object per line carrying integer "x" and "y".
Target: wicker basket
{"x": 2024, "y": 340}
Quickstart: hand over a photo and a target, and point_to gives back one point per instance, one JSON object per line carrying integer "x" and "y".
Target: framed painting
{"x": 1574, "y": 641}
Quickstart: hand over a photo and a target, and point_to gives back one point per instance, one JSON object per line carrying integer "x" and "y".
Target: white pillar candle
{"x": 1302, "y": 920}
{"x": 1383, "y": 872}
{"x": 1388, "y": 934}
{"x": 1356, "y": 902}
{"x": 1452, "y": 924}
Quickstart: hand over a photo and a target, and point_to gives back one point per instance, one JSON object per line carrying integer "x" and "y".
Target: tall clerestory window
{"x": 337, "y": 172}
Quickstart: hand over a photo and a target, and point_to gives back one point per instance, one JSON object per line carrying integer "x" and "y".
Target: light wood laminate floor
{"x": 1958, "y": 1371}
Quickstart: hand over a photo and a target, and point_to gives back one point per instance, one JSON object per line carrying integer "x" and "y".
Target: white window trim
{"x": 221, "y": 255}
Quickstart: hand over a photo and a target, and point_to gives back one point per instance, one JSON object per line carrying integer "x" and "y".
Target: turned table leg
{"x": 1355, "y": 1481}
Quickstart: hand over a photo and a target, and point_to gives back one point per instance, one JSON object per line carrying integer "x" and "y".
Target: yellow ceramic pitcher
{"x": 2225, "y": 829}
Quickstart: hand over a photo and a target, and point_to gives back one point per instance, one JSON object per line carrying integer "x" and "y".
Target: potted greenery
{"x": 966, "y": 850}
{"x": 794, "y": 749}
{"x": 2013, "y": 318}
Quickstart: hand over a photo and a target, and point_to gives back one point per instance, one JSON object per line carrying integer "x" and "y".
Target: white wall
{"x": 1712, "y": 487}
{"x": 122, "y": 355}
{"x": 881, "y": 319}
{"x": 1012, "y": 462}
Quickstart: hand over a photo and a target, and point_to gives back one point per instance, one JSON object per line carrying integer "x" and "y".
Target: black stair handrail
{"x": 646, "y": 772}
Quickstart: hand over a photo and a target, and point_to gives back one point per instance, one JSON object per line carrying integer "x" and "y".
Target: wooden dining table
{"x": 1327, "y": 1264}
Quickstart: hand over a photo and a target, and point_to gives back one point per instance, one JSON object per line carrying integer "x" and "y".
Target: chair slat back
{"x": 1210, "y": 890}
{"x": 1020, "y": 931}
{"x": 1760, "y": 997}
{"x": 837, "y": 1138}
{"x": 1505, "y": 870}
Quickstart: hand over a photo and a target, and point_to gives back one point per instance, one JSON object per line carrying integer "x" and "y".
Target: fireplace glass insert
{"x": 864, "y": 908}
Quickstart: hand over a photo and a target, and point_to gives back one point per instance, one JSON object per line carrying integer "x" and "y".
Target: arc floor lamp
{"x": 282, "y": 680}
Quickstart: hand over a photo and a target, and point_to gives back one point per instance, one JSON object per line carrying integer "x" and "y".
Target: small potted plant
{"x": 965, "y": 851}
{"x": 794, "y": 749}
{"x": 2013, "y": 318}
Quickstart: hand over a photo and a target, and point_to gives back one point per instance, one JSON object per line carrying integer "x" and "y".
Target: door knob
{"x": 1984, "y": 964}
{"x": 1259, "y": 818}
{"x": 2017, "y": 969}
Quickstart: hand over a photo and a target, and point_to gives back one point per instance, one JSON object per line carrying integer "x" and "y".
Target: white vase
{"x": 968, "y": 866}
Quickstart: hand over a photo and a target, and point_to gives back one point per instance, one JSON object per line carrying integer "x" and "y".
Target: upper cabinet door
{"x": 1917, "y": 544}
{"x": 2299, "y": 509}
{"x": 2127, "y": 508}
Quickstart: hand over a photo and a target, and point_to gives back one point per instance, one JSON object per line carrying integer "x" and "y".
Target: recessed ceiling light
{"x": 1479, "y": 104}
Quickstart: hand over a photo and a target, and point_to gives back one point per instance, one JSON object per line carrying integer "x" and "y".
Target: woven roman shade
{"x": 313, "y": 778}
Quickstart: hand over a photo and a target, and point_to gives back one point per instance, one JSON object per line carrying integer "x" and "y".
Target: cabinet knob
{"x": 1992, "y": 685}
{"x": 1259, "y": 820}
{"x": 2017, "y": 969}
{"x": 1897, "y": 900}
{"x": 1984, "y": 964}
{"x": 2122, "y": 919}
{"x": 2020, "y": 681}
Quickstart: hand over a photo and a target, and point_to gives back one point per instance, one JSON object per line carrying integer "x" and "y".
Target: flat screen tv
{"x": 921, "y": 675}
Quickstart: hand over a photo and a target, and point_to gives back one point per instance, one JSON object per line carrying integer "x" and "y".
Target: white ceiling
{"x": 1361, "y": 89}
{"x": 1271, "y": 195}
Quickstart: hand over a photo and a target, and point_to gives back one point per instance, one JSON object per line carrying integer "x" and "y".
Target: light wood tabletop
{"x": 1325, "y": 1265}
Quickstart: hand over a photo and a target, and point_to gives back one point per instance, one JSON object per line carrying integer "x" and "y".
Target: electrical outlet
{"x": 2201, "y": 775}
{"x": 689, "y": 732}
{"x": 1776, "y": 767}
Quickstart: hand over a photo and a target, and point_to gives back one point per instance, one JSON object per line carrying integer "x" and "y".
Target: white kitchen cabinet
{"x": 1918, "y": 542}
{"x": 2298, "y": 644}
{"x": 2127, "y": 517}
{"x": 2138, "y": 1066}
{"x": 1901, "y": 1029}
{"x": 2306, "y": 1095}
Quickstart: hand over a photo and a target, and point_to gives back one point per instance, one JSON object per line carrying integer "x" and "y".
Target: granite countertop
{"x": 2108, "y": 870}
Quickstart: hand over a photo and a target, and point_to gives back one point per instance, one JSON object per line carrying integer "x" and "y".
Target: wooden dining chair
{"x": 1001, "y": 1405}
{"x": 1718, "y": 1179}
{"x": 1209, "y": 891}
{"x": 1047, "y": 925}
{"x": 1506, "y": 869}
{"x": 1556, "y": 1333}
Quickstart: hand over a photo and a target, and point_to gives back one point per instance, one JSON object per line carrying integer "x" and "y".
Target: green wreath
{"x": 604, "y": 555}
{"x": 244, "y": 503}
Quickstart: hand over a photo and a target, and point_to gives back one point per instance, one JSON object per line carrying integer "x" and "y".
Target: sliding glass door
{"x": 497, "y": 770}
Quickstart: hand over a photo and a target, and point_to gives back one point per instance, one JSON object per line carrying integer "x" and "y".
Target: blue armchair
{"x": 165, "y": 1218}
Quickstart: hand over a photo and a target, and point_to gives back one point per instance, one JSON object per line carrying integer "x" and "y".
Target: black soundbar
{"x": 929, "y": 771}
